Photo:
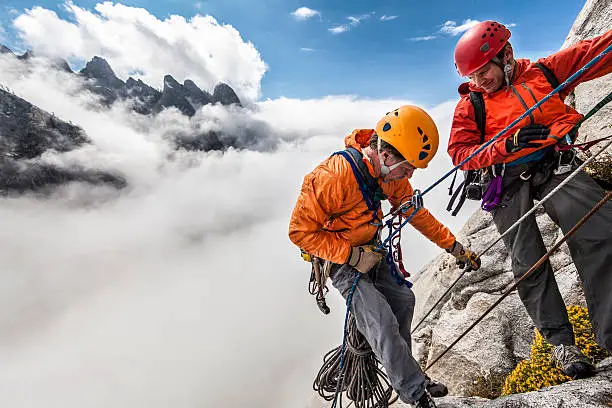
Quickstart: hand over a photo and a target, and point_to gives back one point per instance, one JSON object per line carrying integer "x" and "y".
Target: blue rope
{"x": 349, "y": 299}
{"x": 406, "y": 221}
{"x": 503, "y": 131}
{"x": 399, "y": 278}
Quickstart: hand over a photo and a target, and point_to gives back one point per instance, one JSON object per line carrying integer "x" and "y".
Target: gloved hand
{"x": 525, "y": 137}
{"x": 464, "y": 256}
{"x": 363, "y": 258}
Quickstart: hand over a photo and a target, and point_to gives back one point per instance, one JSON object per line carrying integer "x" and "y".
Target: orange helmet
{"x": 412, "y": 132}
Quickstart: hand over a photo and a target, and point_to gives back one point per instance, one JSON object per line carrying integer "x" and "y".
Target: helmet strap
{"x": 384, "y": 169}
{"x": 507, "y": 72}
{"x": 506, "y": 68}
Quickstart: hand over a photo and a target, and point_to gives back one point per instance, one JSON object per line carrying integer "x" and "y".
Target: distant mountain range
{"x": 101, "y": 80}
{"x": 26, "y": 131}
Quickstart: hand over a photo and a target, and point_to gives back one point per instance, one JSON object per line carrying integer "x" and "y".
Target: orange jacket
{"x": 331, "y": 215}
{"x": 529, "y": 85}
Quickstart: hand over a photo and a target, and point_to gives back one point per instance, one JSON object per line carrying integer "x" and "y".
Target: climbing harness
{"x": 393, "y": 257}
{"x": 545, "y": 199}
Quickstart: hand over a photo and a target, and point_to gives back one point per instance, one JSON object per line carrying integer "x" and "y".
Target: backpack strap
{"x": 550, "y": 76}
{"x": 369, "y": 187}
{"x": 477, "y": 101}
{"x": 554, "y": 82}
{"x": 479, "y": 113}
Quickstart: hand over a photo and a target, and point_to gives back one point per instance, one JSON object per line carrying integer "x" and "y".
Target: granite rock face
{"x": 594, "y": 19}
{"x": 594, "y": 392}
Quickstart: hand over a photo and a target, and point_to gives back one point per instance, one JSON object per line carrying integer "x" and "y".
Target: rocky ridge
{"x": 102, "y": 81}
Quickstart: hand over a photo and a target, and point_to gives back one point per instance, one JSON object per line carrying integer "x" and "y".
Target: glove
{"x": 526, "y": 136}
{"x": 464, "y": 256}
{"x": 363, "y": 258}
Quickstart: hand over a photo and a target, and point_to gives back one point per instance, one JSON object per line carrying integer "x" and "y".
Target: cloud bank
{"x": 183, "y": 289}
{"x": 137, "y": 43}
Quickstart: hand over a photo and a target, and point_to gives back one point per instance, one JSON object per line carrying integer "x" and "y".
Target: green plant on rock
{"x": 539, "y": 371}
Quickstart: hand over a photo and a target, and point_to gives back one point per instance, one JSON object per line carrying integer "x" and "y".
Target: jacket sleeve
{"x": 569, "y": 60}
{"x": 321, "y": 195}
{"x": 423, "y": 221}
{"x": 465, "y": 140}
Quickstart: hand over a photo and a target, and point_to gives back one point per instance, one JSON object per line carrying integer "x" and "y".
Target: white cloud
{"x": 132, "y": 39}
{"x": 425, "y": 38}
{"x": 304, "y": 13}
{"x": 450, "y": 27}
{"x": 356, "y": 20}
{"x": 198, "y": 5}
{"x": 306, "y": 49}
{"x": 2, "y": 33}
{"x": 339, "y": 29}
{"x": 156, "y": 296}
{"x": 511, "y": 25}
{"x": 388, "y": 18}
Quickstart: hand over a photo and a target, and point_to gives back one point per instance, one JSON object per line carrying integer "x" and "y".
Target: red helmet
{"x": 479, "y": 45}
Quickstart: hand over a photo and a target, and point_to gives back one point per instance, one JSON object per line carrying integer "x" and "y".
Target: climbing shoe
{"x": 425, "y": 401}
{"x": 573, "y": 363}
{"x": 435, "y": 389}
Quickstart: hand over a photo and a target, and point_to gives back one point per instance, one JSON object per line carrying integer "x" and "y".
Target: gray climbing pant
{"x": 383, "y": 312}
{"x": 590, "y": 248}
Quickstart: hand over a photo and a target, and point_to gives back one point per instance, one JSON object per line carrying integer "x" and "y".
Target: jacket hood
{"x": 359, "y": 139}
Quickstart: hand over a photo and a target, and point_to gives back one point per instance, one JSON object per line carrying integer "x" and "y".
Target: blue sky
{"x": 373, "y": 58}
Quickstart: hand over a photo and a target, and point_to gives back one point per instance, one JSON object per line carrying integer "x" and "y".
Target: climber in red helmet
{"x": 527, "y": 166}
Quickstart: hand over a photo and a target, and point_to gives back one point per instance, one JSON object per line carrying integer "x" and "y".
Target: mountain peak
{"x": 5, "y": 50}
{"x": 225, "y": 95}
{"x": 100, "y": 70}
{"x": 195, "y": 95}
{"x": 26, "y": 55}
{"x": 170, "y": 82}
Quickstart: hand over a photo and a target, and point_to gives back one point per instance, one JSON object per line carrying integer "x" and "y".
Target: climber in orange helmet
{"x": 337, "y": 219}
{"x": 528, "y": 163}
